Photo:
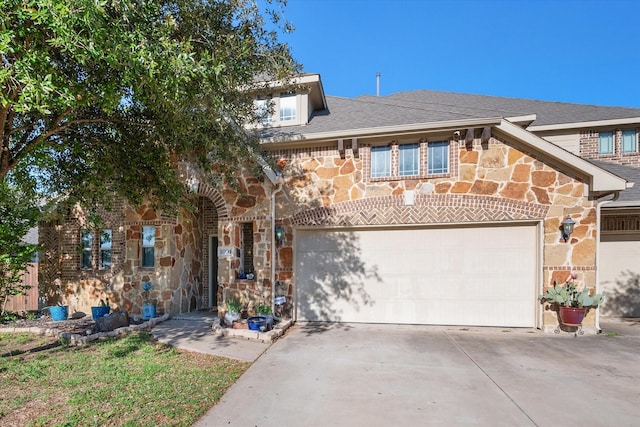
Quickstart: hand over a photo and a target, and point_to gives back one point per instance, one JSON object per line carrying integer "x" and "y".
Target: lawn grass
{"x": 128, "y": 381}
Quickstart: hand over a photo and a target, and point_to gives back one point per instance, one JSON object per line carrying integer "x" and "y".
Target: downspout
{"x": 273, "y": 242}
{"x": 599, "y": 229}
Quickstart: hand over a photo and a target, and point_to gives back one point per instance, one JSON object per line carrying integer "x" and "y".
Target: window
{"x": 86, "y": 243}
{"x": 438, "y": 158}
{"x": 288, "y": 103}
{"x": 147, "y": 244}
{"x": 380, "y": 162}
{"x": 409, "y": 159}
{"x": 262, "y": 109}
{"x": 106, "y": 239}
{"x": 247, "y": 247}
{"x": 629, "y": 141}
{"x": 605, "y": 143}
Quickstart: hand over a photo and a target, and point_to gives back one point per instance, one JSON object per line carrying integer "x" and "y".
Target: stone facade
{"x": 491, "y": 182}
{"x": 487, "y": 183}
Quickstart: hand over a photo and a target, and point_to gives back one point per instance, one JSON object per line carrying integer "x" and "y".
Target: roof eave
{"x": 385, "y": 131}
{"x": 600, "y": 180}
{"x": 587, "y": 124}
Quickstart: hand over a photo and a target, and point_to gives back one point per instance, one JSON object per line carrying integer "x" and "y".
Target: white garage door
{"x": 446, "y": 276}
{"x": 619, "y": 271}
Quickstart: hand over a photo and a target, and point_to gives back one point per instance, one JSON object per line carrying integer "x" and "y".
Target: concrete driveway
{"x": 389, "y": 375}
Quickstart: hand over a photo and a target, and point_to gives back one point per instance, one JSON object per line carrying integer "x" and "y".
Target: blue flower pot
{"x": 257, "y": 323}
{"x": 99, "y": 311}
{"x": 148, "y": 311}
{"x": 59, "y": 312}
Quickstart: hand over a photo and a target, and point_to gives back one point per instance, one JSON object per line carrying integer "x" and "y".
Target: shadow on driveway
{"x": 375, "y": 375}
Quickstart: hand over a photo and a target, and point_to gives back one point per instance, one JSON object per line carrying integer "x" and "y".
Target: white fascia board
{"x": 601, "y": 181}
{"x": 590, "y": 124}
{"x": 387, "y": 131}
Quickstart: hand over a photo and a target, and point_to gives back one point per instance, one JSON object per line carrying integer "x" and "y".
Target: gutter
{"x": 275, "y": 191}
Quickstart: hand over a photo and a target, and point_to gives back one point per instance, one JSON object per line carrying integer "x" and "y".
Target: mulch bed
{"x": 79, "y": 331}
{"x": 82, "y": 326}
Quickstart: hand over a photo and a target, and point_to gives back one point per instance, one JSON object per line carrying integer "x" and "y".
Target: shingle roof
{"x": 631, "y": 174}
{"x": 547, "y": 112}
{"x": 31, "y": 237}
{"x": 427, "y": 106}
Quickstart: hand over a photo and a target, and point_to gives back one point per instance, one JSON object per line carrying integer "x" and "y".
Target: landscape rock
{"x": 112, "y": 321}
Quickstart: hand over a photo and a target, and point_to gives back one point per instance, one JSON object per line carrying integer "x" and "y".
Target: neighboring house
{"x": 419, "y": 207}
{"x": 29, "y": 301}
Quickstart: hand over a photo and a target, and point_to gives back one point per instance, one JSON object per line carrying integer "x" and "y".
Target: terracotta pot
{"x": 572, "y": 315}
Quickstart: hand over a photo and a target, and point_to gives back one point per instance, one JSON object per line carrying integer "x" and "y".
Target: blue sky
{"x": 585, "y": 51}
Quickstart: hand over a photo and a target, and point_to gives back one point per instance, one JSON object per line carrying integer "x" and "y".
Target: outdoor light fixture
{"x": 279, "y": 234}
{"x": 567, "y": 228}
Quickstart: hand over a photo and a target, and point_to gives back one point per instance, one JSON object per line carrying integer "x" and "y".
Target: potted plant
{"x": 571, "y": 300}
{"x": 265, "y": 311}
{"x": 234, "y": 308}
{"x": 59, "y": 312}
{"x": 100, "y": 310}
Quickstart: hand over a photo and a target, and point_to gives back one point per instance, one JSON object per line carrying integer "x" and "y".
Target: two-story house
{"x": 418, "y": 207}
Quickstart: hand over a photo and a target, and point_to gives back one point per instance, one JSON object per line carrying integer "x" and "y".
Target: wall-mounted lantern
{"x": 567, "y": 228}
{"x": 279, "y": 233}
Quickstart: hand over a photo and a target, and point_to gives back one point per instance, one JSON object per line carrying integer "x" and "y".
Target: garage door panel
{"x": 620, "y": 269}
{"x": 465, "y": 276}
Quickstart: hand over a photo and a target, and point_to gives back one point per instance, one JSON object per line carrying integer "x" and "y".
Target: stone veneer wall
{"x": 490, "y": 182}
{"x": 176, "y": 277}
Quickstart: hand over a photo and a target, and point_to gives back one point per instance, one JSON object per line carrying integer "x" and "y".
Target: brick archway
{"x": 205, "y": 190}
{"x": 427, "y": 209}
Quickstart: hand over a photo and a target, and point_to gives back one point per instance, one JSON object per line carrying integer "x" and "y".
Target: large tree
{"x": 102, "y": 98}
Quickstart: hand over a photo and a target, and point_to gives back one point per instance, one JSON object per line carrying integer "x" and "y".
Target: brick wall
{"x": 589, "y": 149}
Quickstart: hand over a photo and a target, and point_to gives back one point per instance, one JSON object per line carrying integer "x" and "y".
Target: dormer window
{"x": 288, "y": 103}
{"x": 263, "y": 110}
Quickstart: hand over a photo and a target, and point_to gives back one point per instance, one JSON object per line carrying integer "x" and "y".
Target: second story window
{"x": 380, "y": 162}
{"x": 86, "y": 243}
{"x": 288, "y": 103}
{"x": 629, "y": 141}
{"x": 263, "y": 110}
{"x": 438, "y": 158}
{"x": 413, "y": 159}
{"x": 409, "y": 159}
{"x": 147, "y": 246}
{"x": 605, "y": 143}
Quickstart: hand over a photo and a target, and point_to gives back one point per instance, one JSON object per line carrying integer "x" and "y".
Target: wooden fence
{"x": 29, "y": 301}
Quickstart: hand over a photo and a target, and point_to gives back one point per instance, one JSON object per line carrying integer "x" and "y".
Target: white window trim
{"x": 415, "y": 153}
{"x": 445, "y": 146}
{"x": 288, "y": 101}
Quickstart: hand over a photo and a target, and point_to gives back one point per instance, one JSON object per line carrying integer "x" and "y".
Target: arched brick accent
{"x": 206, "y": 190}
{"x": 427, "y": 209}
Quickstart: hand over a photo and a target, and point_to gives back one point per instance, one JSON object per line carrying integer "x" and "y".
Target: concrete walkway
{"x": 390, "y": 375}
{"x": 193, "y": 332}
